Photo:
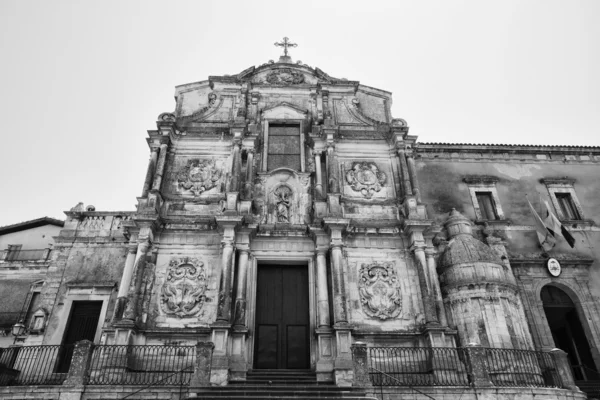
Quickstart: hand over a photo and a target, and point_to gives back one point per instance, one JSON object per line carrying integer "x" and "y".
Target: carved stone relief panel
{"x": 379, "y": 290}
{"x": 183, "y": 292}
{"x": 282, "y": 196}
{"x": 198, "y": 176}
{"x": 366, "y": 178}
{"x": 383, "y": 290}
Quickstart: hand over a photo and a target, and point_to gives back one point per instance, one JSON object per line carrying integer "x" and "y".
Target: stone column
{"x": 332, "y": 169}
{"x": 249, "y": 174}
{"x": 340, "y": 314}
{"x": 125, "y": 282}
{"x": 319, "y": 183}
{"x": 80, "y": 364}
{"x": 322, "y": 292}
{"x": 150, "y": 172}
{"x": 415, "y": 229}
{"x": 360, "y": 363}
{"x": 202, "y": 367}
{"x": 412, "y": 172}
{"x": 236, "y": 168}
{"x": 132, "y": 296}
{"x": 404, "y": 176}
{"x": 224, "y": 305}
{"x": 240, "y": 298}
{"x": 428, "y": 301}
{"x": 160, "y": 167}
{"x": 435, "y": 286}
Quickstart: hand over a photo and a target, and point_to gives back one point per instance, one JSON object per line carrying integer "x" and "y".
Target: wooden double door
{"x": 282, "y": 318}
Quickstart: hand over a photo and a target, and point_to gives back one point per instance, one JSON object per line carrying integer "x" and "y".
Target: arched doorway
{"x": 567, "y": 331}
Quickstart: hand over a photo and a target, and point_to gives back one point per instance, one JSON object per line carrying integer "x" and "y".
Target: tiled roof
{"x": 34, "y": 223}
{"x": 555, "y": 147}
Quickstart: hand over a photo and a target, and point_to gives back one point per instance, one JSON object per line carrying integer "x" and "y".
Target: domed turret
{"x": 480, "y": 291}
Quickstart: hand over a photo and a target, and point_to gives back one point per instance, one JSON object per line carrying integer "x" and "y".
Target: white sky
{"x": 81, "y": 82}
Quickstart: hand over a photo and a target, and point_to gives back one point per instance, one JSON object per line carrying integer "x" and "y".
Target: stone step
{"x": 277, "y": 396}
{"x": 297, "y": 392}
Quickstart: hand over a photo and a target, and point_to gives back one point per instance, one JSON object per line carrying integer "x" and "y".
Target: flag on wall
{"x": 556, "y": 227}
{"x": 547, "y": 240}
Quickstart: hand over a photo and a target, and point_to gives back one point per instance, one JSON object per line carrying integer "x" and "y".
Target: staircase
{"x": 591, "y": 388}
{"x": 279, "y": 384}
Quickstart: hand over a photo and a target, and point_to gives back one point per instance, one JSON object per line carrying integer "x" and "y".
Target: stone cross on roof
{"x": 285, "y": 44}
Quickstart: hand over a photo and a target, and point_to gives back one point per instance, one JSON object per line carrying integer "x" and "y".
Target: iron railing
{"x": 35, "y": 365}
{"x": 141, "y": 365}
{"x": 417, "y": 366}
{"x": 445, "y": 366}
{"x": 510, "y": 367}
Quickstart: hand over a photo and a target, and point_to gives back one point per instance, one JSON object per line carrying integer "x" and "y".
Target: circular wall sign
{"x": 553, "y": 266}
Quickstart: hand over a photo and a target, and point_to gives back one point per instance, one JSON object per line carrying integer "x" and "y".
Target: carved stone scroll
{"x": 198, "y": 176}
{"x": 379, "y": 291}
{"x": 284, "y": 77}
{"x": 183, "y": 292}
{"x": 366, "y": 178}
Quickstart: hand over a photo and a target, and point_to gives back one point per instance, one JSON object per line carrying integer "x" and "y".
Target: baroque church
{"x": 288, "y": 222}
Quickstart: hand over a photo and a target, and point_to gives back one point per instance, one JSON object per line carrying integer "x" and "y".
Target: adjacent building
{"x": 286, "y": 215}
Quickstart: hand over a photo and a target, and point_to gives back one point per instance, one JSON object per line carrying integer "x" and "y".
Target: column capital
{"x": 144, "y": 245}
{"x": 132, "y": 248}
{"x": 429, "y": 251}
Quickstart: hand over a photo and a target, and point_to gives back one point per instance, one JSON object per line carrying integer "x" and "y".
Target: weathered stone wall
{"x": 188, "y": 301}
{"x": 399, "y": 283}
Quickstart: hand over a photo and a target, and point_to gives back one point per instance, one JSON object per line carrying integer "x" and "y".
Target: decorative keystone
{"x": 563, "y": 369}
{"x": 204, "y": 352}
{"x": 80, "y": 364}
{"x": 360, "y": 365}
{"x": 479, "y": 373}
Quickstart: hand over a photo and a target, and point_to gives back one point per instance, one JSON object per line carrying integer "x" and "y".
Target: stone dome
{"x": 463, "y": 247}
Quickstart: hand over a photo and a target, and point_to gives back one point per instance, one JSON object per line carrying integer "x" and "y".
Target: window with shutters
{"x": 484, "y": 196}
{"x": 564, "y": 198}
{"x": 283, "y": 149}
{"x": 487, "y": 207}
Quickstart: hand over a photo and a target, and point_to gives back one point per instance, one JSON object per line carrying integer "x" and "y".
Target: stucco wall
{"x": 34, "y": 238}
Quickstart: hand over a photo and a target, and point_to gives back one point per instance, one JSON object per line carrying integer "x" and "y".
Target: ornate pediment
{"x": 284, "y": 111}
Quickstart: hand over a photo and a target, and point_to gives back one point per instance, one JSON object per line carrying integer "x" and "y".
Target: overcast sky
{"x": 81, "y": 82}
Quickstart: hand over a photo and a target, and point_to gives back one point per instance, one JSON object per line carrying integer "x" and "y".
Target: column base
{"x": 325, "y": 356}
{"x": 219, "y": 374}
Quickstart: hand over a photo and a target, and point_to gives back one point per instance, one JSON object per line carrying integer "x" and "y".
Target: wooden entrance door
{"x": 82, "y": 326}
{"x": 282, "y": 318}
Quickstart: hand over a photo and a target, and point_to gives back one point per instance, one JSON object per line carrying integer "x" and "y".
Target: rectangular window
{"x": 567, "y": 206}
{"x": 284, "y": 147}
{"x": 486, "y": 205}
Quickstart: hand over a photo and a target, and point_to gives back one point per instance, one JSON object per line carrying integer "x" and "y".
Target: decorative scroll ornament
{"x": 284, "y": 76}
{"x": 199, "y": 176}
{"x": 366, "y": 178}
{"x": 379, "y": 291}
{"x": 183, "y": 292}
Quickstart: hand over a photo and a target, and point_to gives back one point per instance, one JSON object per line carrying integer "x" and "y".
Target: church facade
{"x": 286, "y": 215}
